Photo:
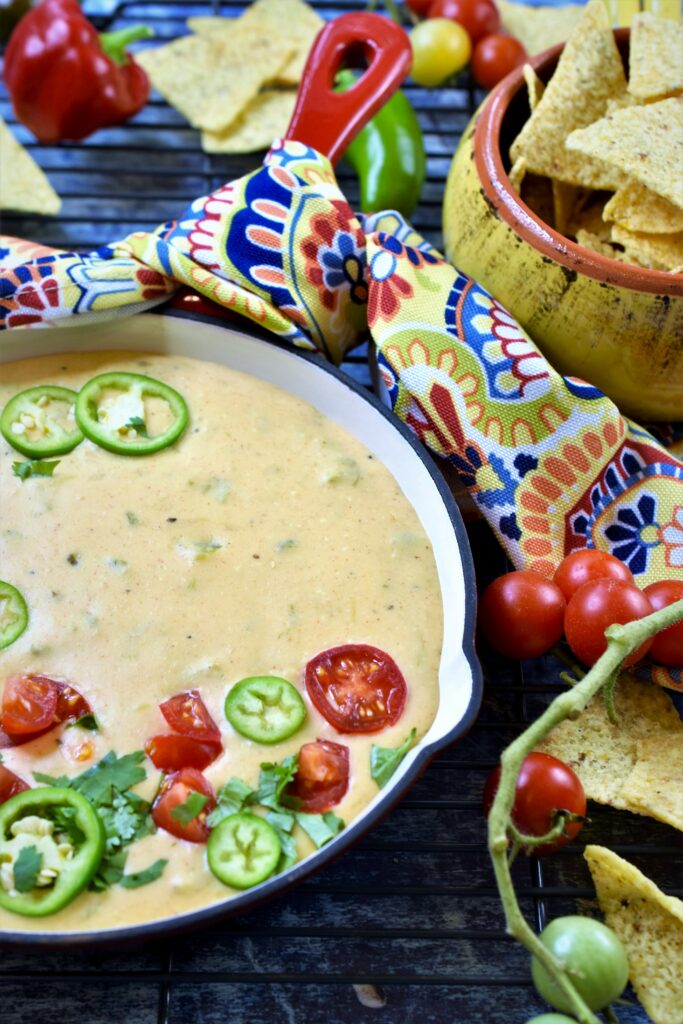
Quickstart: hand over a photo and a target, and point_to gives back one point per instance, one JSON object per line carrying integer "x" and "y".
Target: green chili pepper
{"x": 243, "y": 850}
{"x": 266, "y": 709}
{"x": 13, "y": 614}
{"x": 39, "y": 422}
{"x": 388, "y": 155}
{"x": 51, "y": 844}
{"x": 110, "y": 410}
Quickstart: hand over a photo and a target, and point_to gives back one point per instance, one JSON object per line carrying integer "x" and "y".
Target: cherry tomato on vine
{"x": 580, "y": 567}
{"x": 419, "y": 7}
{"x": 478, "y": 17}
{"x": 544, "y": 786}
{"x": 667, "y": 646}
{"x": 597, "y": 605}
{"x": 594, "y": 957}
{"x": 522, "y": 614}
{"x": 494, "y": 57}
{"x": 440, "y": 49}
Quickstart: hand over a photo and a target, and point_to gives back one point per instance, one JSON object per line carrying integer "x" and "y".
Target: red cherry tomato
{"x": 188, "y": 714}
{"x": 667, "y": 646}
{"x": 357, "y": 688}
{"x": 175, "y": 790}
{"x": 29, "y": 704}
{"x": 419, "y": 7}
{"x": 322, "y": 777}
{"x": 522, "y": 614}
{"x": 544, "y": 786}
{"x": 494, "y": 57}
{"x": 171, "y": 753}
{"x": 597, "y": 605}
{"x": 71, "y": 704}
{"x": 589, "y": 564}
{"x": 10, "y": 784}
{"x": 478, "y": 17}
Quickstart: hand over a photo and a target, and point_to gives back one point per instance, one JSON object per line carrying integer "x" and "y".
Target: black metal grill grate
{"x": 412, "y": 910}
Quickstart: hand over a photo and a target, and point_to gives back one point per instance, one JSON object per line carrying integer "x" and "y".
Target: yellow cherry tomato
{"x": 441, "y": 48}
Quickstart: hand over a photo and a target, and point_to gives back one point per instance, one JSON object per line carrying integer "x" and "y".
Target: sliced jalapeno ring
{"x": 110, "y": 410}
{"x": 51, "y": 844}
{"x": 243, "y": 850}
{"x": 39, "y": 422}
{"x": 13, "y": 614}
{"x": 265, "y": 708}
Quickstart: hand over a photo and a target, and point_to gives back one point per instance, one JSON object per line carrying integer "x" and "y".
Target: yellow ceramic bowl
{"x": 618, "y": 326}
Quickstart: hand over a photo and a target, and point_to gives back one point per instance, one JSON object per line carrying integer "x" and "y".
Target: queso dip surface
{"x": 265, "y": 535}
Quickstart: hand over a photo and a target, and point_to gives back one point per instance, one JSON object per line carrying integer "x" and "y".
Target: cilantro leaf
{"x": 272, "y": 780}
{"x": 150, "y": 874}
{"x": 34, "y": 467}
{"x": 26, "y": 868}
{"x": 125, "y": 821}
{"x": 231, "y": 799}
{"x": 321, "y": 828}
{"x": 98, "y": 783}
{"x": 138, "y": 424}
{"x": 283, "y": 825}
{"x": 385, "y": 760}
{"x": 62, "y": 781}
{"x": 188, "y": 811}
{"x": 65, "y": 821}
{"x": 110, "y": 871}
{"x": 86, "y": 721}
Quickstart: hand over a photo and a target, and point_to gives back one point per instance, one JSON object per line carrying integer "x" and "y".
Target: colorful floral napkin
{"x": 549, "y": 460}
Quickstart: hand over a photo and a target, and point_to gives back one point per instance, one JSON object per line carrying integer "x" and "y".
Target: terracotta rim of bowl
{"x": 573, "y": 258}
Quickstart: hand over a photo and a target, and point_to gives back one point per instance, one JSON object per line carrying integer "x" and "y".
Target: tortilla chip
{"x": 516, "y": 174}
{"x": 650, "y": 925}
{"x": 655, "y": 786}
{"x": 588, "y": 74}
{"x": 266, "y": 118}
{"x": 536, "y": 191}
{"x": 603, "y": 754}
{"x": 210, "y": 80}
{"x": 645, "y": 143}
{"x": 655, "y": 57}
{"x": 597, "y": 244}
{"x": 292, "y": 21}
{"x": 636, "y": 208}
{"x": 658, "y": 252}
{"x": 539, "y": 28}
{"x": 534, "y": 86}
{"x": 587, "y": 216}
{"x": 565, "y": 198}
{"x": 23, "y": 185}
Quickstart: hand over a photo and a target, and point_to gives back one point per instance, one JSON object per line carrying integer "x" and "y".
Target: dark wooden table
{"x": 407, "y": 926}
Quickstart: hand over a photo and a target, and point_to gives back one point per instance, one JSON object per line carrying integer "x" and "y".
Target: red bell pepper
{"x": 64, "y": 80}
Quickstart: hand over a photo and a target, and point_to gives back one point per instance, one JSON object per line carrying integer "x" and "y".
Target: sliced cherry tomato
{"x": 593, "y": 956}
{"x": 29, "y": 704}
{"x": 522, "y": 614}
{"x": 545, "y": 785}
{"x": 69, "y": 705}
{"x": 170, "y": 753}
{"x": 597, "y": 605}
{"x": 667, "y": 646}
{"x": 589, "y": 564}
{"x": 188, "y": 714}
{"x": 478, "y": 17}
{"x": 494, "y": 57}
{"x": 174, "y": 792}
{"x": 441, "y": 48}
{"x": 357, "y": 688}
{"x": 10, "y": 784}
{"x": 419, "y": 7}
{"x": 322, "y": 777}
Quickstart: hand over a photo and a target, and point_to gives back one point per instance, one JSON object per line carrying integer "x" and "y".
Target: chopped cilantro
{"x": 231, "y": 799}
{"x": 98, "y": 783}
{"x": 273, "y": 779}
{"x": 139, "y": 878}
{"x": 385, "y": 760}
{"x": 132, "y": 519}
{"x": 86, "y": 721}
{"x": 320, "y": 827}
{"x": 186, "y": 812}
{"x": 110, "y": 871}
{"x": 283, "y": 824}
{"x": 64, "y": 819}
{"x": 138, "y": 424}
{"x": 26, "y": 868}
{"x": 34, "y": 467}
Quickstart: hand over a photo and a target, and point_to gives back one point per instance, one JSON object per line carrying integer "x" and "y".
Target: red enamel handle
{"x": 327, "y": 120}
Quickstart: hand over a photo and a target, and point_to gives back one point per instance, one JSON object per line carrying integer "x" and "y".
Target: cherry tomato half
{"x": 322, "y": 777}
{"x": 580, "y": 567}
{"x": 667, "y": 646}
{"x": 478, "y": 17}
{"x": 175, "y": 790}
{"x": 32, "y": 705}
{"x": 494, "y": 57}
{"x": 10, "y": 784}
{"x": 187, "y": 714}
{"x": 597, "y": 605}
{"x": 357, "y": 688}
{"x": 441, "y": 48}
{"x": 170, "y": 753}
{"x": 522, "y": 614}
{"x": 544, "y": 786}
{"x": 594, "y": 957}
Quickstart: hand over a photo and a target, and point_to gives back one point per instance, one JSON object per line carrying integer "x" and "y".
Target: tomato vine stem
{"x": 621, "y": 642}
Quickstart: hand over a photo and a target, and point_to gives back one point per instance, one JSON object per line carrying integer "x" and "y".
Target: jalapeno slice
{"x": 265, "y": 708}
{"x": 243, "y": 850}
{"x": 122, "y": 412}
{"x": 39, "y": 422}
{"x": 13, "y": 614}
{"x": 51, "y": 844}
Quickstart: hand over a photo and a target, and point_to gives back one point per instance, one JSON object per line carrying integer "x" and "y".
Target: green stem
{"x": 621, "y": 641}
{"x": 114, "y": 44}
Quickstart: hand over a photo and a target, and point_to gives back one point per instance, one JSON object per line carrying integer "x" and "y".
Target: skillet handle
{"x": 327, "y": 120}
